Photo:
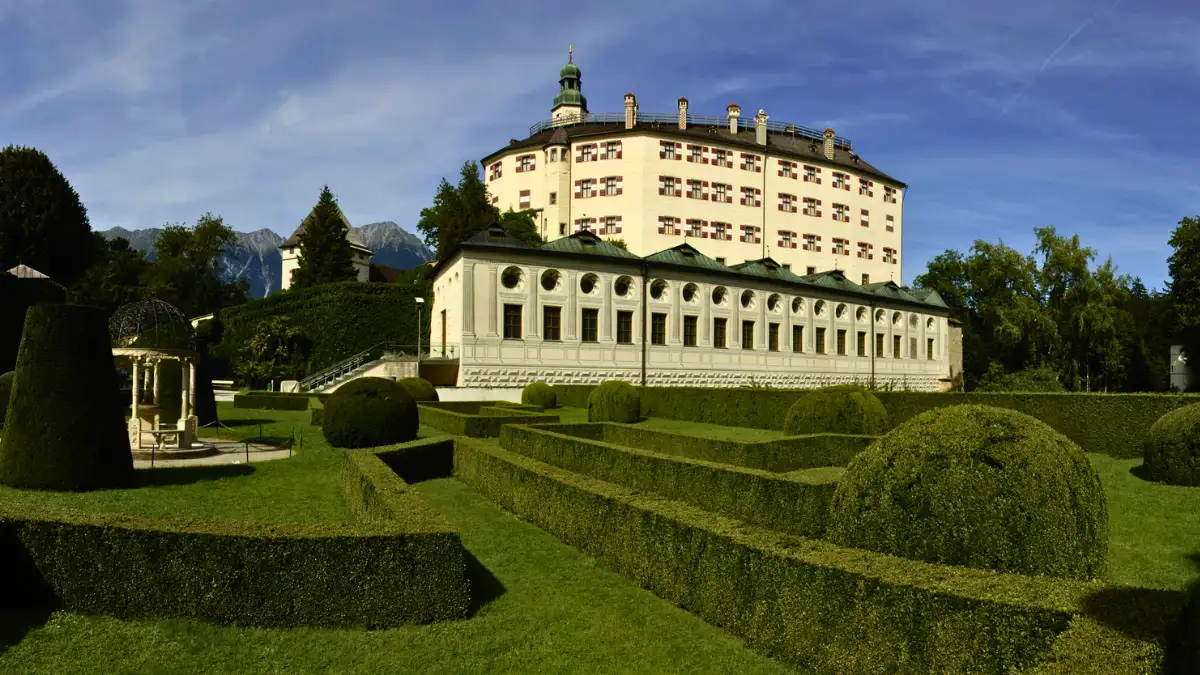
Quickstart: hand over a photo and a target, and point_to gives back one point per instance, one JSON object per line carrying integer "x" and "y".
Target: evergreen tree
{"x": 43, "y": 224}
{"x": 325, "y": 253}
{"x": 1184, "y": 268}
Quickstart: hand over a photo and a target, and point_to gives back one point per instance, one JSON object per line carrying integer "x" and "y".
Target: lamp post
{"x": 420, "y": 301}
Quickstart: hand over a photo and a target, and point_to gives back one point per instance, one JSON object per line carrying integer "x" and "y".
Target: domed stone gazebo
{"x": 151, "y": 334}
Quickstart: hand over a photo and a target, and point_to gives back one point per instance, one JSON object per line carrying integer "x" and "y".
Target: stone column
{"x": 531, "y": 308}
{"x": 468, "y": 300}
{"x": 705, "y": 328}
{"x": 492, "y": 299}
{"x": 156, "y": 367}
{"x": 191, "y": 388}
{"x": 137, "y": 389}
{"x": 606, "y": 295}
{"x": 183, "y": 388}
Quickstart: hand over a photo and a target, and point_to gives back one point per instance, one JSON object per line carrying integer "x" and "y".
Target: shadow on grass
{"x": 1182, "y": 655}
{"x": 186, "y": 475}
{"x": 1140, "y": 472}
{"x": 16, "y": 623}
{"x": 485, "y": 587}
{"x": 28, "y": 600}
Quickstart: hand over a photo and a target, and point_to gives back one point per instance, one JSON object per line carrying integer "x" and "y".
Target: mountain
{"x": 255, "y": 255}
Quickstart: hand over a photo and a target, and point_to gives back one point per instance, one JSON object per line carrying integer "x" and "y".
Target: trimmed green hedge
{"x": 340, "y": 319}
{"x": 539, "y": 394}
{"x": 777, "y": 456}
{"x": 820, "y": 607}
{"x": 64, "y": 429}
{"x": 6, "y": 381}
{"x": 16, "y": 297}
{"x": 369, "y": 412}
{"x": 1172, "y": 449}
{"x": 485, "y": 422}
{"x": 614, "y": 401}
{"x": 316, "y": 414}
{"x": 271, "y": 401}
{"x": 798, "y": 506}
{"x": 370, "y": 575}
{"x": 844, "y": 409}
{"x": 420, "y": 389}
{"x": 1113, "y": 424}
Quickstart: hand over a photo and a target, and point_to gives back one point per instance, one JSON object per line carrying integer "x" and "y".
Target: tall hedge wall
{"x": 798, "y": 506}
{"x": 822, "y": 608}
{"x": 340, "y": 319}
{"x": 1114, "y": 424}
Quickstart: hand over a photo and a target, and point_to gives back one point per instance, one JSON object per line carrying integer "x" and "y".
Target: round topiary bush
{"x": 6, "y": 381}
{"x": 368, "y": 412}
{"x": 614, "y": 401}
{"x": 64, "y": 429}
{"x": 539, "y": 393}
{"x": 841, "y": 409}
{"x": 980, "y": 487}
{"x": 419, "y": 388}
{"x": 1171, "y": 452}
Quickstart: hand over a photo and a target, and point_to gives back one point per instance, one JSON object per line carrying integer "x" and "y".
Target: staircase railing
{"x": 348, "y": 365}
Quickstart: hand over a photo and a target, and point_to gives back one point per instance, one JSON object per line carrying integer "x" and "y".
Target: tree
{"x": 185, "y": 271}
{"x": 43, "y": 224}
{"x": 276, "y": 350}
{"x": 325, "y": 253}
{"x": 114, "y": 278}
{"x": 458, "y": 212}
{"x": 619, "y": 242}
{"x": 1184, "y": 288}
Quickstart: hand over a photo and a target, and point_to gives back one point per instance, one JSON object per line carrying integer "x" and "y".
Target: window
{"x": 891, "y": 223}
{"x": 695, "y": 153}
{"x": 512, "y": 322}
{"x": 553, "y": 154}
{"x": 658, "y": 329}
{"x": 862, "y": 343}
{"x": 720, "y": 193}
{"x": 864, "y": 187}
{"x": 495, "y": 171}
{"x": 749, "y": 235}
{"x": 719, "y": 333}
{"x": 839, "y": 181}
{"x": 689, "y": 331}
{"x": 587, "y": 152}
{"x": 773, "y": 337}
{"x": 721, "y": 231}
{"x": 551, "y": 323}
{"x": 866, "y": 279}
{"x": 562, "y": 229}
{"x": 611, "y": 149}
{"x": 896, "y": 346}
{"x": 889, "y": 194}
{"x": 787, "y": 266}
{"x": 587, "y": 187}
{"x": 889, "y": 255}
{"x": 610, "y": 186}
{"x": 864, "y": 218}
{"x": 912, "y": 348}
{"x": 820, "y": 339}
{"x": 810, "y": 244}
{"x": 787, "y": 239}
{"x": 721, "y": 158}
{"x": 810, "y": 174}
{"x": 589, "y": 322}
{"x": 524, "y": 199}
{"x": 666, "y": 225}
{"x": 879, "y": 345}
{"x": 810, "y": 270}
{"x": 667, "y": 185}
{"x": 695, "y": 228}
{"x": 666, "y": 150}
{"x": 841, "y": 342}
{"x": 786, "y": 203}
{"x": 929, "y": 348}
{"x": 751, "y": 162}
{"x": 785, "y": 169}
{"x": 695, "y": 190}
{"x": 610, "y": 225}
{"x": 526, "y": 163}
{"x": 721, "y": 260}
{"x": 797, "y": 339}
{"x": 553, "y": 198}
{"x": 747, "y": 335}
{"x": 812, "y": 207}
{"x": 625, "y": 328}
{"x": 864, "y": 251}
{"x": 840, "y": 246}
{"x": 841, "y": 213}
{"x": 750, "y": 197}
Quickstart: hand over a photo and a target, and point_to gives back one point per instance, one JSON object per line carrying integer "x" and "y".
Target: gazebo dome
{"x": 151, "y": 323}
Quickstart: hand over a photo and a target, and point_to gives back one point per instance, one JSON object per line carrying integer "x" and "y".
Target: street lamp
{"x": 420, "y": 301}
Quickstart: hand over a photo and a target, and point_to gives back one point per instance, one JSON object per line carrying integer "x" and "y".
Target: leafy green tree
{"x": 458, "y": 212}
{"x": 114, "y": 278}
{"x": 325, "y": 253}
{"x": 276, "y": 350}
{"x": 43, "y": 223}
{"x": 185, "y": 271}
{"x": 619, "y": 242}
{"x": 1184, "y": 287}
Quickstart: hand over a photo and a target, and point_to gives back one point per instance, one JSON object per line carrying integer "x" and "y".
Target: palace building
{"x": 734, "y": 188}
{"x": 579, "y": 310}
{"x": 359, "y": 252}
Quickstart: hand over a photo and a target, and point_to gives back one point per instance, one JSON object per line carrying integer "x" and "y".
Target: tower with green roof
{"x": 569, "y": 104}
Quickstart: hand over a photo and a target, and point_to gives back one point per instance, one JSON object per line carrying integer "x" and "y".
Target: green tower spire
{"x": 570, "y": 85}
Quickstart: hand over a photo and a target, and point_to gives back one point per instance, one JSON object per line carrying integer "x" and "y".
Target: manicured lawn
{"x": 551, "y": 610}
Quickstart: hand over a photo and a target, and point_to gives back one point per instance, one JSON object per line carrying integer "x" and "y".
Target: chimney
{"x": 630, "y": 110}
{"x": 734, "y": 112}
{"x": 829, "y": 144}
{"x": 760, "y": 127}
{"x": 682, "y": 112}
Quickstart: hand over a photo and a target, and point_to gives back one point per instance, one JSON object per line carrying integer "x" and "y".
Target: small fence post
{"x": 247, "y": 452}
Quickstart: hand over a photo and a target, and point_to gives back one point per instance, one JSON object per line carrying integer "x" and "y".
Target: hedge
{"x": 6, "y": 380}
{"x": 792, "y": 505}
{"x": 316, "y": 413}
{"x": 340, "y": 319}
{"x": 18, "y": 296}
{"x": 484, "y": 423}
{"x": 269, "y": 401}
{"x": 370, "y": 412}
{"x": 822, "y": 608}
{"x": 1171, "y": 453}
{"x": 1113, "y": 424}
{"x": 841, "y": 409}
{"x": 778, "y": 456}
{"x": 366, "y": 575}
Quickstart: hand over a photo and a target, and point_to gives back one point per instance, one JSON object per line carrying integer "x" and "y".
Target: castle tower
{"x": 570, "y": 105}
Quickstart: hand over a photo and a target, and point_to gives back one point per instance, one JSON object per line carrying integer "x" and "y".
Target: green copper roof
{"x": 571, "y": 87}
{"x": 834, "y": 280}
{"x": 769, "y": 269}
{"x": 890, "y": 290}
{"x": 569, "y": 70}
{"x": 684, "y": 255}
{"x": 586, "y": 243}
{"x": 929, "y": 297}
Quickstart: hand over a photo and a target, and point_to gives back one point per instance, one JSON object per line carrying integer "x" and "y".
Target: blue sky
{"x": 1000, "y": 116}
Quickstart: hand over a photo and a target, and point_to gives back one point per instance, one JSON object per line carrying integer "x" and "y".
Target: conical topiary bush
{"x": 64, "y": 429}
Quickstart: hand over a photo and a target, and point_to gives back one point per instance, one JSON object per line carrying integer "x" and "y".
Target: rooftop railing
{"x": 746, "y": 123}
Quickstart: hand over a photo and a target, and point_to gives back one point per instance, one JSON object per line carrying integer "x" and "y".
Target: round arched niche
{"x": 719, "y": 296}
{"x": 588, "y": 284}
{"x": 658, "y": 289}
{"x": 550, "y": 280}
{"x": 512, "y": 278}
{"x": 747, "y": 299}
{"x": 798, "y": 306}
{"x": 840, "y": 312}
{"x": 819, "y": 308}
{"x": 773, "y": 303}
{"x": 690, "y": 291}
{"x": 623, "y": 286}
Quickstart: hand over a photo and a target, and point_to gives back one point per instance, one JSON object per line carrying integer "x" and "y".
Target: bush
{"x": 369, "y": 412}
{"x": 419, "y": 389}
{"x": 614, "y": 401}
{"x": 477, "y": 419}
{"x": 18, "y": 296}
{"x": 64, "y": 429}
{"x": 1172, "y": 450}
{"x": 6, "y": 381}
{"x": 842, "y": 409}
{"x": 539, "y": 393}
{"x": 1030, "y": 380}
{"x": 978, "y": 487}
